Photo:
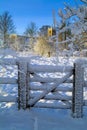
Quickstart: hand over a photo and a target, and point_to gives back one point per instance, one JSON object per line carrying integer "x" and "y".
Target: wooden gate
{"x": 37, "y": 90}
{"x": 50, "y": 94}
{"x": 39, "y": 86}
{"x": 47, "y": 86}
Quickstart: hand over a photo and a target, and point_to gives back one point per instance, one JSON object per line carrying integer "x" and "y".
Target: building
{"x": 44, "y": 30}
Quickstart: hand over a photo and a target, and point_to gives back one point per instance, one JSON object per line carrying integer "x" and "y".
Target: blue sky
{"x": 39, "y": 11}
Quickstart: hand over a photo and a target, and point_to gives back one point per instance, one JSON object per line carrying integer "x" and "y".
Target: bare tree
{"x": 31, "y": 30}
{"x": 6, "y": 25}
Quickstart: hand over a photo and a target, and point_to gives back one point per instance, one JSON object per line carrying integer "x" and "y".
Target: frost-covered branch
{"x": 85, "y": 1}
{"x": 73, "y": 24}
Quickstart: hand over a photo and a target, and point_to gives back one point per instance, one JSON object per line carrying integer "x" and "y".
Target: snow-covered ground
{"x": 39, "y": 119}
{"x": 35, "y": 118}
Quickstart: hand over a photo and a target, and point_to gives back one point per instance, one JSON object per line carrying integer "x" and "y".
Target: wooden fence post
{"x": 22, "y": 84}
{"x": 77, "y": 96}
{"x": 27, "y": 85}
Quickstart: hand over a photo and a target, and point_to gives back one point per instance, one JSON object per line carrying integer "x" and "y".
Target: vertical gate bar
{"x": 22, "y": 84}
{"x": 27, "y": 85}
{"x": 77, "y": 99}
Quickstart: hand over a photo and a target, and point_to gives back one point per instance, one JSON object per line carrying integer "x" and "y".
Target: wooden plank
{"x": 49, "y": 68}
{"x": 37, "y": 78}
{"x": 8, "y": 81}
{"x": 8, "y": 61}
{"x": 22, "y": 84}
{"x": 8, "y": 99}
{"x": 57, "y": 96}
{"x": 44, "y": 87}
{"x": 13, "y": 61}
{"x": 42, "y": 95}
{"x": 27, "y": 87}
{"x": 77, "y": 100}
{"x": 42, "y": 79}
{"x": 52, "y": 105}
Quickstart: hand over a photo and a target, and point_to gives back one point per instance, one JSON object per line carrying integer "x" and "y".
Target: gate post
{"x": 22, "y": 84}
{"x": 77, "y": 95}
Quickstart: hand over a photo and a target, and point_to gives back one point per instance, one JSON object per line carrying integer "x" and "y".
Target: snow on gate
{"x": 45, "y": 89}
{"x": 47, "y": 86}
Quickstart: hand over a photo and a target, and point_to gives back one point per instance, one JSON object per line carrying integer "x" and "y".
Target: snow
{"x": 37, "y": 118}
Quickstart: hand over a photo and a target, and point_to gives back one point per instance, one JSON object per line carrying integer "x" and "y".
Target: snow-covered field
{"x": 39, "y": 119}
{"x": 35, "y": 118}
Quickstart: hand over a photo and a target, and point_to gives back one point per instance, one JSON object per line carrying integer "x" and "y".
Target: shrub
{"x": 43, "y": 47}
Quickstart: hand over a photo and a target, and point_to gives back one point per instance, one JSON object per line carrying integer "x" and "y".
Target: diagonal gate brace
{"x": 33, "y": 101}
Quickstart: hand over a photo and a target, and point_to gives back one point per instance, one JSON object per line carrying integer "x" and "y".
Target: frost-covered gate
{"x": 46, "y": 86}
{"x": 45, "y": 90}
